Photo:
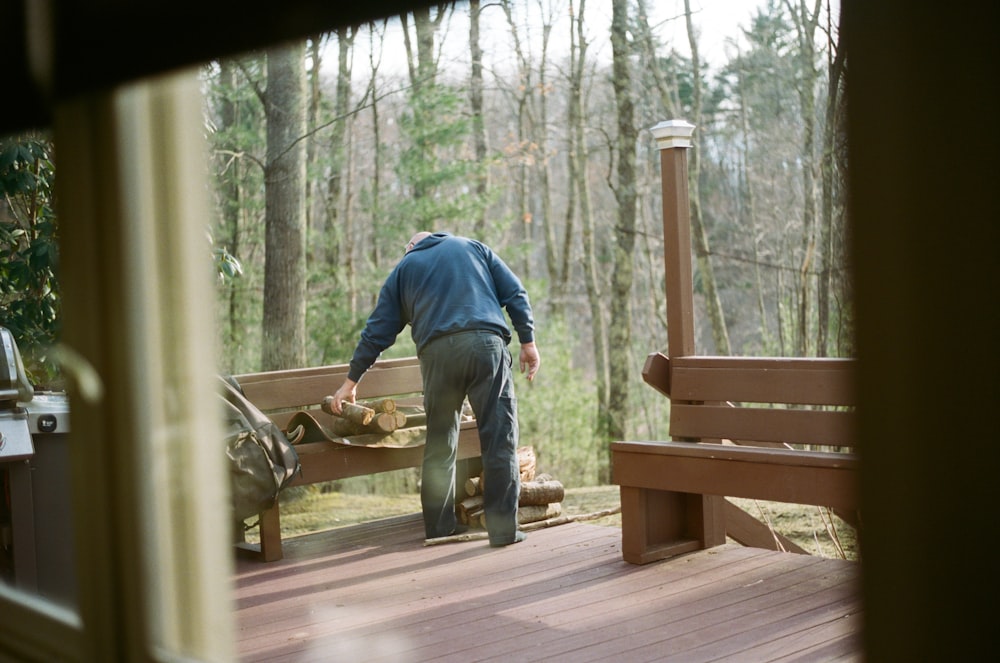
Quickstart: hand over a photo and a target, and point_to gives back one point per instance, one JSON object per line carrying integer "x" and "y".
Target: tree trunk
{"x": 423, "y": 69}
{"x": 620, "y": 336}
{"x": 526, "y": 152}
{"x": 667, "y": 89}
{"x": 476, "y": 107}
{"x": 805, "y": 27}
{"x": 574, "y": 103}
{"x": 284, "y": 322}
{"x": 830, "y": 180}
{"x": 232, "y": 192}
{"x": 316, "y": 221}
{"x": 331, "y": 229}
{"x": 543, "y": 163}
{"x": 749, "y": 205}
{"x": 720, "y": 335}
{"x": 375, "y": 183}
{"x": 595, "y": 295}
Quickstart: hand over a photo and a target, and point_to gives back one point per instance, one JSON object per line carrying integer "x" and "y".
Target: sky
{"x": 717, "y": 21}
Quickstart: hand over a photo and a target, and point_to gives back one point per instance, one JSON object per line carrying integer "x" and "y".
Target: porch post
{"x": 673, "y": 137}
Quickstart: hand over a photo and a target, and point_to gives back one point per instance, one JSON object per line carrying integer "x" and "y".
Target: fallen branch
{"x": 541, "y": 524}
{"x": 562, "y": 520}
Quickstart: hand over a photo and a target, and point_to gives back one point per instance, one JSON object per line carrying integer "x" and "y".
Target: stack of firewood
{"x": 541, "y": 495}
{"x": 376, "y": 416}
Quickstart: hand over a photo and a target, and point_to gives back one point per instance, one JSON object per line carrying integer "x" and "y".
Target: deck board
{"x": 375, "y": 593}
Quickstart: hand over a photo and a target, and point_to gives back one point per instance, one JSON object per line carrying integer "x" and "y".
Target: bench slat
{"x": 779, "y": 475}
{"x": 813, "y": 427}
{"x": 267, "y": 376}
{"x": 788, "y": 380}
{"x": 329, "y": 461}
{"x": 308, "y": 387}
{"x": 748, "y": 380}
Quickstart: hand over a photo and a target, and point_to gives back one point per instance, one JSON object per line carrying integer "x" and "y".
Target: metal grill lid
{"x": 14, "y": 385}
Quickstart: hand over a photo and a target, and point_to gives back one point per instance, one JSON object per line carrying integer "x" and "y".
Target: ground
{"x": 808, "y": 526}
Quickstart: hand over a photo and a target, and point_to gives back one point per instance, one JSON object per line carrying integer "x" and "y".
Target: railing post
{"x": 673, "y": 137}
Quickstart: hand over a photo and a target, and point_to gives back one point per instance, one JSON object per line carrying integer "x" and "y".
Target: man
{"x": 453, "y": 291}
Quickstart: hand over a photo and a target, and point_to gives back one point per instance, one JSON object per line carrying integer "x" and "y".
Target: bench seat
{"x": 742, "y": 428}
{"x": 281, "y": 394}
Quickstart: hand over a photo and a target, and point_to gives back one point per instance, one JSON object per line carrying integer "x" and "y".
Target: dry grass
{"x": 810, "y": 527}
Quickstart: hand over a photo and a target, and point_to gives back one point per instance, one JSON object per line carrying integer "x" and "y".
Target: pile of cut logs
{"x": 541, "y": 495}
{"x": 375, "y": 416}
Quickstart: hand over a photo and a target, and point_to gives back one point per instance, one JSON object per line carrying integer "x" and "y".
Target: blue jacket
{"x": 444, "y": 284}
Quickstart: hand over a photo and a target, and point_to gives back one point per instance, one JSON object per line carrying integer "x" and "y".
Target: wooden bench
{"x": 280, "y": 394}
{"x": 794, "y": 412}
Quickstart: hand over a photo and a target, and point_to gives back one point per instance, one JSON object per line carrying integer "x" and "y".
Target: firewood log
{"x": 534, "y": 513}
{"x": 526, "y": 462}
{"x": 472, "y": 486}
{"x": 468, "y": 510}
{"x": 475, "y": 518}
{"x": 385, "y": 405}
{"x": 359, "y": 414}
{"x": 382, "y": 422}
{"x": 416, "y": 419}
{"x": 541, "y": 492}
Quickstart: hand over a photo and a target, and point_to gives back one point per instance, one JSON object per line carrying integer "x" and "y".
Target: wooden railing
{"x": 779, "y": 429}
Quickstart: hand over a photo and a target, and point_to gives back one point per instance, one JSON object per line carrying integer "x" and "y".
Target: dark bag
{"x": 261, "y": 459}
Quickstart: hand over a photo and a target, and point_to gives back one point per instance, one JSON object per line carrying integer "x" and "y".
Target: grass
{"x": 310, "y": 510}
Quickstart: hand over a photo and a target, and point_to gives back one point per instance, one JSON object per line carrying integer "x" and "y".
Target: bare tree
{"x": 423, "y": 64}
{"x": 749, "y": 208}
{"x": 580, "y": 192}
{"x": 620, "y": 333}
{"x": 230, "y": 214}
{"x": 284, "y": 321}
{"x": 532, "y": 152}
{"x": 830, "y": 175}
{"x": 543, "y": 163}
{"x": 375, "y": 182}
{"x": 476, "y": 108}
{"x": 666, "y": 83}
{"x": 720, "y": 334}
{"x": 806, "y": 22}
{"x": 315, "y": 223}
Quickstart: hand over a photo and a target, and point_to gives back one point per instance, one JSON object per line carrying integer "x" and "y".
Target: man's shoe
{"x": 518, "y": 537}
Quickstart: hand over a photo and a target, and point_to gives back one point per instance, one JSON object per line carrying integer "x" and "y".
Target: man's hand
{"x": 347, "y": 392}
{"x": 530, "y": 361}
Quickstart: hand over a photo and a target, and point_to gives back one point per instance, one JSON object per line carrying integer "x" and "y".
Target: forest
{"x": 524, "y": 124}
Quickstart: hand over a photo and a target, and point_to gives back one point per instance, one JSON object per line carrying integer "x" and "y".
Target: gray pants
{"x": 476, "y": 364}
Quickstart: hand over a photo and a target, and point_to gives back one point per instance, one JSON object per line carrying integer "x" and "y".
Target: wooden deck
{"x": 374, "y": 592}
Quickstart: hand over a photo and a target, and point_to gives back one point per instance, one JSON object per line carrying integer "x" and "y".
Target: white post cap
{"x": 673, "y": 133}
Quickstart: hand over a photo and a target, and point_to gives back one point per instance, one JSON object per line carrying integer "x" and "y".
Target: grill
{"x": 36, "y": 531}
